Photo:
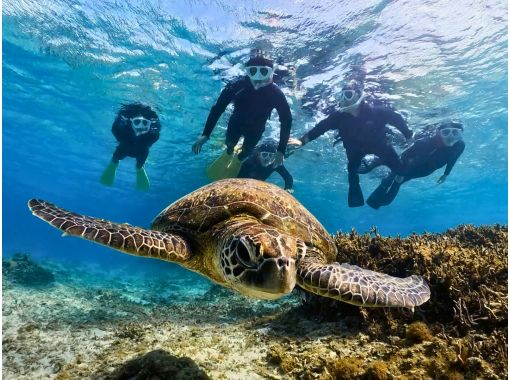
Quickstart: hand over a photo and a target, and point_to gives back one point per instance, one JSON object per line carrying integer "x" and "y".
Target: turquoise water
{"x": 68, "y": 65}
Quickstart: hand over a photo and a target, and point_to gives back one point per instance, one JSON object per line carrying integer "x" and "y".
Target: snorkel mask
{"x": 450, "y": 133}
{"x": 350, "y": 97}
{"x": 260, "y": 71}
{"x": 266, "y": 154}
{"x": 140, "y": 125}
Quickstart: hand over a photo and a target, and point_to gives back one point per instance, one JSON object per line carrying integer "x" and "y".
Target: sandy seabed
{"x": 87, "y": 326}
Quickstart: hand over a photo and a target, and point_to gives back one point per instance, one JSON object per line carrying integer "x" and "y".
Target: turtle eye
{"x": 243, "y": 254}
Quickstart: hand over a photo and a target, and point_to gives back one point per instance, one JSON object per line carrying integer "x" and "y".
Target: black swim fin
{"x": 355, "y": 197}
{"x": 373, "y": 200}
{"x": 385, "y": 193}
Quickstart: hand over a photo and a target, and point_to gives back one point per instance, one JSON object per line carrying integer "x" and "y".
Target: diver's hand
{"x": 303, "y": 140}
{"x": 294, "y": 143}
{"x": 290, "y": 191}
{"x": 292, "y": 146}
{"x": 197, "y": 146}
{"x": 278, "y": 159}
{"x": 442, "y": 179}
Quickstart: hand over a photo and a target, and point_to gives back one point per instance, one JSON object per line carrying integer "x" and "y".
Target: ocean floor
{"x": 79, "y": 324}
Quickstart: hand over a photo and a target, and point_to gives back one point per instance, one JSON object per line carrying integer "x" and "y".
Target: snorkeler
{"x": 362, "y": 129}
{"x": 421, "y": 159}
{"x": 136, "y": 127}
{"x": 259, "y": 164}
{"x": 254, "y": 97}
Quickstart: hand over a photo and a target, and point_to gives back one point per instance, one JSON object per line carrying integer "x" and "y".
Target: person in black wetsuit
{"x": 136, "y": 128}
{"x": 421, "y": 159}
{"x": 362, "y": 129}
{"x": 259, "y": 165}
{"x": 254, "y": 97}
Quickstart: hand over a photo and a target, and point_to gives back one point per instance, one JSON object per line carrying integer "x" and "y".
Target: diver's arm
{"x": 121, "y": 129}
{"x": 283, "y": 109}
{"x": 287, "y": 177}
{"x": 459, "y": 148}
{"x": 226, "y": 96}
{"x": 329, "y": 123}
{"x": 395, "y": 119}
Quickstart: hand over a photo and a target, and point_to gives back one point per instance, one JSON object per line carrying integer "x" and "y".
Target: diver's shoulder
{"x": 380, "y": 109}
{"x": 273, "y": 87}
{"x": 238, "y": 82}
{"x": 460, "y": 145}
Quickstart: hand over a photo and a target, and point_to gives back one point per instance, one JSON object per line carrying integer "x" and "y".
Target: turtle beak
{"x": 275, "y": 276}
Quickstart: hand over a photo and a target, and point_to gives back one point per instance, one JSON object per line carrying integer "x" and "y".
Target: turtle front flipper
{"x": 357, "y": 286}
{"x": 123, "y": 237}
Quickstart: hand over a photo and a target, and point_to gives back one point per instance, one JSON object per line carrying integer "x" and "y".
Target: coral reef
{"x": 91, "y": 326}
{"x": 465, "y": 321}
{"x": 22, "y": 270}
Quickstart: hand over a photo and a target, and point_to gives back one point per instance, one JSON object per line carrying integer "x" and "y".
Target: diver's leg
{"x": 141, "y": 157}
{"x": 392, "y": 192}
{"x": 390, "y": 158}
{"x": 232, "y": 137}
{"x": 355, "y": 195}
{"x": 386, "y": 192}
{"x": 251, "y": 138}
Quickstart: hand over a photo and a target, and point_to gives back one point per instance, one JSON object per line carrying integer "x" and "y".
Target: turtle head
{"x": 258, "y": 260}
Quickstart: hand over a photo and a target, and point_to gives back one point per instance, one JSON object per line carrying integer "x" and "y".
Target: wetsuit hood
{"x": 260, "y": 71}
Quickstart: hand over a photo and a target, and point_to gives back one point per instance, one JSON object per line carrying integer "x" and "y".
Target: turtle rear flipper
{"x": 357, "y": 286}
{"x": 123, "y": 237}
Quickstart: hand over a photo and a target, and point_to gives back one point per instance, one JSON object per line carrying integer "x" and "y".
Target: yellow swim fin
{"x": 225, "y": 166}
{"x": 142, "y": 181}
{"x": 108, "y": 175}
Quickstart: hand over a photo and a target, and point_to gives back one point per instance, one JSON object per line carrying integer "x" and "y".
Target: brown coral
{"x": 460, "y": 332}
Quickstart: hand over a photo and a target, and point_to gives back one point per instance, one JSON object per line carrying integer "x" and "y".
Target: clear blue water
{"x": 68, "y": 64}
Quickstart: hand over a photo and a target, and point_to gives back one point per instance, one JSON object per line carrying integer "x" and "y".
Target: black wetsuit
{"x": 252, "y": 109}
{"x": 252, "y": 168}
{"x": 420, "y": 160}
{"x": 131, "y": 145}
{"x": 361, "y": 135}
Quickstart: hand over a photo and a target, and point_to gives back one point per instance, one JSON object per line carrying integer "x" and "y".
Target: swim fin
{"x": 142, "y": 181}
{"x": 355, "y": 197}
{"x": 385, "y": 193}
{"x": 225, "y": 166}
{"x": 108, "y": 176}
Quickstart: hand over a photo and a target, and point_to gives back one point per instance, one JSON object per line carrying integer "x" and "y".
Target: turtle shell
{"x": 198, "y": 211}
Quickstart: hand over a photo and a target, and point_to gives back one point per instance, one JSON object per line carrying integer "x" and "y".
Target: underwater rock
{"x": 159, "y": 365}
{"x": 22, "y": 270}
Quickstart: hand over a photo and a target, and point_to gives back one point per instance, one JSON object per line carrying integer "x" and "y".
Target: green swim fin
{"x": 142, "y": 181}
{"x": 225, "y": 166}
{"x": 108, "y": 175}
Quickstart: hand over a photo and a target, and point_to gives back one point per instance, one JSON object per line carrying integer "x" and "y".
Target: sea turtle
{"x": 249, "y": 236}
